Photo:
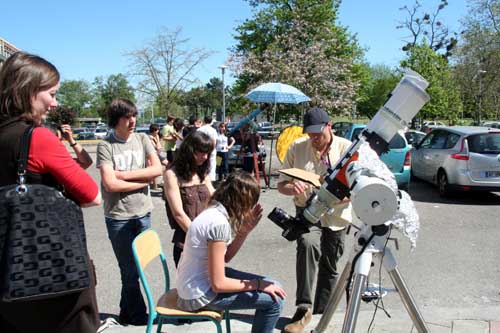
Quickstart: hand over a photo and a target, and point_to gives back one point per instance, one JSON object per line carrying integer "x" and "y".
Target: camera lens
{"x": 278, "y": 215}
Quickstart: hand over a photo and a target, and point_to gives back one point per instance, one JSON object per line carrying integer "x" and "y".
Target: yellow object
{"x": 287, "y": 136}
{"x": 218, "y": 160}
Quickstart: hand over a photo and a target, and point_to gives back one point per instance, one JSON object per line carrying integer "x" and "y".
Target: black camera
{"x": 292, "y": 227}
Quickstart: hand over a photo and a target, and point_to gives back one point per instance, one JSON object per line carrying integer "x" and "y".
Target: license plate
{"x": 492, "y": 174}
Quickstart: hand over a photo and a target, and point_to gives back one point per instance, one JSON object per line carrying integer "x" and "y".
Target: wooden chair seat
{"x": 167, "y": 306}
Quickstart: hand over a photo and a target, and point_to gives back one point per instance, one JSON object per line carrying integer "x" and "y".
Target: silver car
{"x": 459, "y": 158}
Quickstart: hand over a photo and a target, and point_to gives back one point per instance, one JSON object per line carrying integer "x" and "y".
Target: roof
{"x": 468, "y": 130}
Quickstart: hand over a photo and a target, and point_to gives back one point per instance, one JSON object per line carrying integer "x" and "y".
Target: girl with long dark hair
{"x": 187, "y": 186}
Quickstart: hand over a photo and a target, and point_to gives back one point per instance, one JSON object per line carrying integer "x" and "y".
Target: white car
{"x": 492, "y": 124}
{"x": 459, "y": 158}
{"x": 100, "y": 133}
{"x": 429, "y": 125}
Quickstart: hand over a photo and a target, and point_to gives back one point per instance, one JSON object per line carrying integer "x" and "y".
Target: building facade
{"x": 6, "y": 50}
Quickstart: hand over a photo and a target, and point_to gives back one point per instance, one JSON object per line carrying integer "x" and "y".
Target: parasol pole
{"x": 271, "y": 150}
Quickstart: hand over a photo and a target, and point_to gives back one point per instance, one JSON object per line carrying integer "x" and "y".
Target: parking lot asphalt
{"x": 453, "y": 276}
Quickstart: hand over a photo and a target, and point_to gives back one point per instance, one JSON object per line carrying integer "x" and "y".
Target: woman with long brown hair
{"x": 28, "y": 88}
{"x": 212, "y": 240}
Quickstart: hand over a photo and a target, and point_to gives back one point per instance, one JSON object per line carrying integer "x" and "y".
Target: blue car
{"x": 397, "y": 159}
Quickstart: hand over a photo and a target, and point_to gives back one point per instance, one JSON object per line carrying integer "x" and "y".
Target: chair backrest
{"x": 146, "y": 247}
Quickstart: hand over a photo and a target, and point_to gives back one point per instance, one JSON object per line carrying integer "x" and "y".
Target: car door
{"x": 436, "y": 154}
{"x": 484, "y": 157}
{"x": 418, "y": 156}
{"x": 429, "y": 155}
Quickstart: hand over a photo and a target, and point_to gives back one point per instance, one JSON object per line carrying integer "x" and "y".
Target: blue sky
{"x": 85, "y": 39}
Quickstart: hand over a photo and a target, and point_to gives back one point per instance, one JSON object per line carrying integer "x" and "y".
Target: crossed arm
{"x": 126, "y": 181}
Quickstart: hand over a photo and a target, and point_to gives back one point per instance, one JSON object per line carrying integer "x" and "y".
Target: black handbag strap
{"x": 24, "y": 148}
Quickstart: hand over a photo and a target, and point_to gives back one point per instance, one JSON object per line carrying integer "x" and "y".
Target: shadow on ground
{"x": 425, "y": 192}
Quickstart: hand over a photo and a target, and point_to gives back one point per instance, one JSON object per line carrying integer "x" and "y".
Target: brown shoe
{"x": 299, "y": 321}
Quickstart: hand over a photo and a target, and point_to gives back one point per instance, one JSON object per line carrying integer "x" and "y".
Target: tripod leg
{"x": 352, "y": 310}
{"x": 408, "y": 301}
{"x": 334, "y": 300}
{"x": 361, "y": 271}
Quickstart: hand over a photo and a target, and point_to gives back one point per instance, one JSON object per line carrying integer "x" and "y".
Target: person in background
{"x": 154, "y": 136}
{"x": 187, "y": 186}
{"x": 193, "y": 124}
{"x": 127, "y": 162}
{"x": 319, "y": 250}
{"x": 224, "y": 144}
{"x": 64, "y": 132}
{"x": 212, "y": 133}
{"x": 178, "y": 126}
{"x": 250, "y": 141}
{"x": 213, "y": 239}
{"x": 28, "y": 88}
{"x": 167, "y": 135}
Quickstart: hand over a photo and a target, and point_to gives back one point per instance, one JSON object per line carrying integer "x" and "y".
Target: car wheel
{"x": 405, "y": 187}
{"x": 413, "y": 177}
{"x": 443, "y": 184}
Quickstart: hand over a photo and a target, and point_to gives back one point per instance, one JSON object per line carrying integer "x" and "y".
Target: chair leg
{"x": 150, "y": 324}
{"x": 228, "y": 321}
{"x": 217, "y": 324}
{"x": 160, "y": 323}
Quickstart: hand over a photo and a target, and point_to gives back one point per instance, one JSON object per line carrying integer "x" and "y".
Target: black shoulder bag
{"x": 43, "y": 249}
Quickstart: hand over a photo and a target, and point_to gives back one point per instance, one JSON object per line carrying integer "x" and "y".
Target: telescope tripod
{"x": 375, "y": 248}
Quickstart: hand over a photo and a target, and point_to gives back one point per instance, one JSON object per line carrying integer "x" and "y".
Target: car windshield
{"x": 356, "y": 132}
{"x": 488, "y": 143}
{"x": 397, "y": 142}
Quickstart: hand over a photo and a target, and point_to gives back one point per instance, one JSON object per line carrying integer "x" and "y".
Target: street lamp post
{"x": 479, "y": 109}
{"x": 223, "y": 68}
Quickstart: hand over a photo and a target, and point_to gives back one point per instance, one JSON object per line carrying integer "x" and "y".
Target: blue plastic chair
{"x": 147, "y": 247}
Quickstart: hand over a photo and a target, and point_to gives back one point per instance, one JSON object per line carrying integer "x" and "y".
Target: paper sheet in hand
{"x": 303, "y": 175}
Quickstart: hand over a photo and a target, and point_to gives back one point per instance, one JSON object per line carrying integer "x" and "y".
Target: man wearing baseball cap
{"x": 319, "y": 250}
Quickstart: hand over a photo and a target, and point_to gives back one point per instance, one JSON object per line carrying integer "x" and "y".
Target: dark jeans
{"x": 223, "y": 168}
{"x": 317, "y": 255}
{"x": 267, "y": 310}
{"x": 248, "y": 164}
{"x": 170, "y": 156}
{"x": 121, "y": 233}
{"x": 177, "y": 251}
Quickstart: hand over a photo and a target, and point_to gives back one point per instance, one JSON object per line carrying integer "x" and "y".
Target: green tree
{"x": 445, "y": 97}
{"x": 62, "y": 115}
{"x": 298, "y": 42}
{"x": 477, "y": 60}
{"x": 106, "y": 90}
{"x": 203, "y": 100}
{"x": 74, "y": 95}
{"x": 195, "y": 101}
{"x": 381, "y": 82}
{"x": 214, "y": 93}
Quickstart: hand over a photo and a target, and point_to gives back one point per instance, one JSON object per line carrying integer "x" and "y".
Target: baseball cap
{"x": 315, "y": 120}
